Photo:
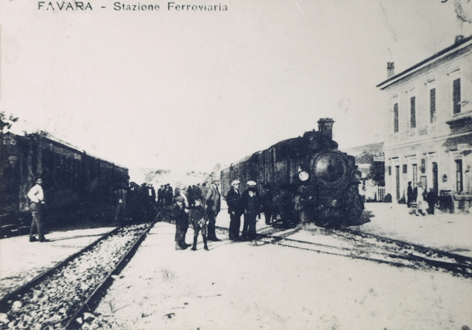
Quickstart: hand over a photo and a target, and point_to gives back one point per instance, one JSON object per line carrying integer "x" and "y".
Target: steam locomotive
{"x": 310, "y": 179}
{"x": 72, "y": 179}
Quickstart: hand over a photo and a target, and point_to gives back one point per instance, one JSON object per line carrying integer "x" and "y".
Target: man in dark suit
{"x": 432, "y": 199}
{"x": 212, "y": 197}
{"x": 415, "y": 194}
{"x": 235, "y": 210}
{"x": 409, "y": 194}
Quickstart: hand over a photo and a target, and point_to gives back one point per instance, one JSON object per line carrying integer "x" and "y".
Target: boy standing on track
{"x": 199, "y": 220}
{"x": 36, "y": 196}
{"x": 180, "y": 214}
{"x": 252, "y": 209}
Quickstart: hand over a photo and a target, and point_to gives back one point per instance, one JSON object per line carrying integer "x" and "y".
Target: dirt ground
{"x": 242, "y": 286}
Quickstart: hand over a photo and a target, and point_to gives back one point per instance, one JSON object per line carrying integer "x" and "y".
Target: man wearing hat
{"x": 235, "y": 209}
{"x": 251, "y": 205}
{"x": 212, "y": 197}
{"x": 36, "y": 196}
{"x": 409, "y": 194}
{"x": 180, "y": 214}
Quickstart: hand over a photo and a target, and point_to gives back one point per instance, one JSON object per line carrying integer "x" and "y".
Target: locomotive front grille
{"x": 330, "y": 170}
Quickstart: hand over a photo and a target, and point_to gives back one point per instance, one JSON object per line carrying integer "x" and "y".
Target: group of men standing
{"x": 251, "y": 205}
{"x": 204, "y": 207}
{"x": 418, "y": 197}
{"x": 198, "y": 210}
{"x": 165, "y": 195}
{"x": 135, "y": 203}
{"x": 198, "y": 206}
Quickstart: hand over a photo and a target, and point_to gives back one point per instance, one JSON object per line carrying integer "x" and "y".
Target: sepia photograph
{"x": 236, "y": 164}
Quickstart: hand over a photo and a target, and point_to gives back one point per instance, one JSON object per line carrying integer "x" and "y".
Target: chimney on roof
{"x": 390, "y": 69}
{"x": 459, "y": 39}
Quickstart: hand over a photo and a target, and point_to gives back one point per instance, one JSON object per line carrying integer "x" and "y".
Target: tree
{"x": 6, "y": 121}
{"x": 377, "y": 173}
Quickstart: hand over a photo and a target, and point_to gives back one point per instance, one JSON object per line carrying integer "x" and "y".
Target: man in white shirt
{"x": 36, "y": 196}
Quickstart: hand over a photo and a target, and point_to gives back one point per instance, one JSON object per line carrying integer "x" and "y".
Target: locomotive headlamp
{"x": 303, "y": 176}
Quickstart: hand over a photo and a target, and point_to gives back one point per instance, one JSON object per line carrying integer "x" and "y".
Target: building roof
{"x": 366, "y": 155}
{"x": 375, "y": 149}
{"x": 456, "y": 46}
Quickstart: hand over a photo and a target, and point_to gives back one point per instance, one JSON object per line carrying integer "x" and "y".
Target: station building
{"x": 369, "y": 158}
{"x": 429, "y": 126}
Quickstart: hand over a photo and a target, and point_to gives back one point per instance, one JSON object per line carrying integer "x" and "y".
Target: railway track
{"x": 60, "y": 297}
{"x": 360, "y": 245}
{"x": 452, "y": 262}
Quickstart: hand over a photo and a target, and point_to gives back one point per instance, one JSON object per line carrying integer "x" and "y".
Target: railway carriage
{"x": 71, "y": 177}
{"x": 309, "y": 174}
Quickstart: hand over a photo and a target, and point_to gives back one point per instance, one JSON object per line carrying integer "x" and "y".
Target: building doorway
{"x": 459, "y": 181}
{"x": 415, "y": 175}
{"x": 397, "y": 180}
{"x": 435, "y": 177}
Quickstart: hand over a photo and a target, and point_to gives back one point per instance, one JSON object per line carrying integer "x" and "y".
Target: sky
{"x": 189, "y": 89}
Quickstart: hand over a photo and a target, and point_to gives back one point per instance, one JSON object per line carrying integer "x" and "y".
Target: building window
{"x": 432, "y": 105}
{"x": 459, "y": 184}
{"x": 395, "y": 118}
{"x": 390, "y": 170}
{"x": 424, "y": 182}
{"x": 412, "y": 112}
{"x": 456, "y": 95}
{"x": 415, "y": 175}
{"x": 405, "y": 167}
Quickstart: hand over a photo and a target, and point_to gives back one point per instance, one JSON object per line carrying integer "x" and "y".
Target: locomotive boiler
{"x": 310, "y": 179}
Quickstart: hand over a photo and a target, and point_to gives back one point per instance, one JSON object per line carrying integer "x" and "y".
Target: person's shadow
{"x": 366, "y": 216}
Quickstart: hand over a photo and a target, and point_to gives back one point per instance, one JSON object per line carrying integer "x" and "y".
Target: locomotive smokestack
{"x": 325, "y": 127}
{"x": 390, "y": 69}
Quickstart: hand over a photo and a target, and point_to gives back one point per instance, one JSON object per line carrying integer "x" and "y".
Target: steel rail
{"x": 125, "y": 258}
{"x": 20, "y": 290}
{"x": 466, "y": 261}
{"x": 117, "y": 267}
{"x": 462, "y": 266}
{"x": 455, "y": 268}
{"x": 282, "y": 240}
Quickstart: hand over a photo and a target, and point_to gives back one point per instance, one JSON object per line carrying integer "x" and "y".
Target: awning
{"x": 463, "y": 142}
